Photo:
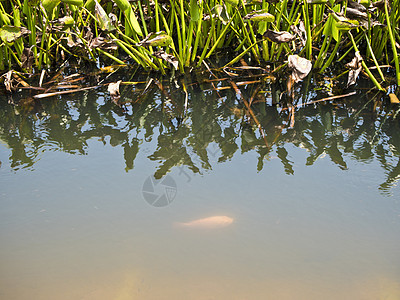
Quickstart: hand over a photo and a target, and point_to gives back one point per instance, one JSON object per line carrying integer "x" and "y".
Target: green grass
{"x": 193, "y": 31}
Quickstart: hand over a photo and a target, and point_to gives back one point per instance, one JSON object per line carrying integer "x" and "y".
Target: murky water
{"x": 93, "y": 199}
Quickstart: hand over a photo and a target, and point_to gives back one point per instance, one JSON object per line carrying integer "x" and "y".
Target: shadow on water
{"x": 214, "y": 127}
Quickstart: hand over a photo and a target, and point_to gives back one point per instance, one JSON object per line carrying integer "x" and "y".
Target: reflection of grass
{"x": 213, "y": 128}
{"x": 185, "y": 33}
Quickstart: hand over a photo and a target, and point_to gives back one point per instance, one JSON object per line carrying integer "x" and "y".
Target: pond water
{"x": 99, "y": 201}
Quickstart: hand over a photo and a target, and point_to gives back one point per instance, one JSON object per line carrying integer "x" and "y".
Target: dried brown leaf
{"x": 393, "y": 99}
{"x": 353, "y": 13}
{"x": 279, "y": 36}
{"x": 355, "y": 68}
{"x": 103, "y": 43}
{"x": 300, "y": 31}
{"x": 27, "y": 58}
{"x": 300, "y": 67}
{"x": 356, "y": 5}
{"x": 167, "y": 57}
{"x": 19, "y": 80}
{"x": 73, "y": 41}
{"x": 8, "y": 81}
{"x": 113, "y": 89}
{"x": 380, "y": 5}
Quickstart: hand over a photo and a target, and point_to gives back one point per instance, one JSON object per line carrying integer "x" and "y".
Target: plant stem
{"x": 393, "y": 43}
{"x": 371, "y": 76}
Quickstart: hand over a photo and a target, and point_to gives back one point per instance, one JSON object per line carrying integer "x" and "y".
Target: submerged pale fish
{"x": 210, "y": 222}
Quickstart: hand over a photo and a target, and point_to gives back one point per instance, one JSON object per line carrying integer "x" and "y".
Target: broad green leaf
{"x": 252, "y": 2}
{"x": 68, "y": 21}
{"x": 347, "y": 25}
{"x": 122, "y": 4}
{"x": 232, "y": 2}
{"x": 330, "y": 25}
{"x": 156, "y": 39}
{"x": 64, "y": 22}
{"x": 132, "y": 21}
{"x": 262, "y": 27}
{"x": 194, "y": 10}
{"x": 89, "y": 5}
{"x": 102, "y": 18}
{"x": 343, "y": 23}
{"x": 50, "y": 4}
{"x": 365, "y": 3}
{"x": 260, "y": 16}
{"x": 9, "y": 34}
{"x": 78, "y": 3}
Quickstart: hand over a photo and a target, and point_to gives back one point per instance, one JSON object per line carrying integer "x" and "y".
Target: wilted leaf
{"x": 222, "y": 13}
{"x": 279, "y": 36}
{"x": 96, "y": 42}
{"x": 356, "y": 14}
{"x": 20, "y": 80}
{"x": 101, "y": 16}
{"x": 113, "y": 89}
{"x": 356, "y": 5}
{"x": 156, "y": 39}
{"x": 393, "y": 99}
{"x": 343, "y": 23}
{"x": 355, "y": 68}
{"x": 300, "y": 32}
{"x": 380, "y": 5}
{"x": 260, "y": 15}
{"x": 27, "y": 58}
{"x": 73, "y": 40}
{"x": 377, "y": 23}
{"x": 167, "y": 57}
{"x": 67, "y": 21}
{"x": 300, "y": 67}
{"x": 103, "y": 43}
{"x": 62, "y": 23}
{"x": 10, "y": 34}
{"x": 8, "y": 81}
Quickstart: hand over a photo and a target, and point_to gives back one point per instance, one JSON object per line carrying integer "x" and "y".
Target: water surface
{"x": 90, "y": 194}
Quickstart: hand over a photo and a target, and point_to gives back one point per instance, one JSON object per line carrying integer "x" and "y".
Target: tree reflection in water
{"x": 216, "y": 123}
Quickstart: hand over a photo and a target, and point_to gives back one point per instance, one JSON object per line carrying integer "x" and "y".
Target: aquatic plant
{"x": 160, "y": 35}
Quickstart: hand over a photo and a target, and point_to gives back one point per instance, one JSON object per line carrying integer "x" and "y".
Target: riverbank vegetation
{"x": 177, "y": 35}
